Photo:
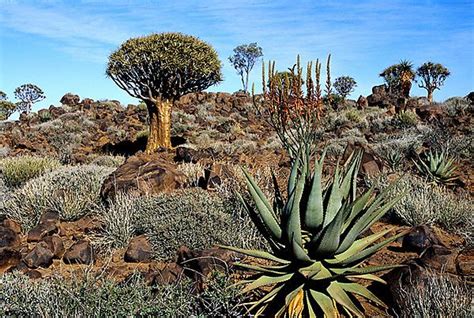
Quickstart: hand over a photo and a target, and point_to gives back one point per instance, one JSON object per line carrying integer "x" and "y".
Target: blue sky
{"x": 62, "y": 46}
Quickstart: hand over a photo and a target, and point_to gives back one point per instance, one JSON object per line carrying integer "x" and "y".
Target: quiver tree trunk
{"x": 430, "y": 96}
{"x": 160, "y": 125}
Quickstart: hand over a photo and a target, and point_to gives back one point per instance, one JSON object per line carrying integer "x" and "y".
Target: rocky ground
{"x": 214, "y": 134}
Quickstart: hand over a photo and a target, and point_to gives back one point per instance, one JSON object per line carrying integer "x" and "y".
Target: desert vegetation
{"x": 295, "y": 201}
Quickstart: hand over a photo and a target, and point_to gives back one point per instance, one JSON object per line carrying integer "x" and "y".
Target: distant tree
{"x": 399, "y": 78}
{"x": 344, "y": 85}
{"x": 244, "y": 59}
{"x": 3, "y": 96}
{"x": 6, "y": 109}
{"x": 28, "y": 94}
{"x": 432, "y": 77}
{"x": 159, "y": 69}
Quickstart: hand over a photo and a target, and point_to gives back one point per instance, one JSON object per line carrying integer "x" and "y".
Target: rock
{"x": 40, "y": 256}
{"x": 440, "y": 258}
{"x": 465, "y": 262}
{"x": 169, "y": 274}
{"x": 380, "y": 89}
{"x": 48, "y": 225}
{"x": 8, "y": 237}
{"x": 213, "y": 176}
{"x": 185, "y": 154}
{"x": 55, "y": 245}
{"x": 370, "y": 164}
{"x": 419, "y": 239}
{"x": 56, "y": 111}
{"x": 80, "y": 252}
{"x": 199, "y": 263}
{"x": 143, "y": 174}
{"x": 40, "y": 231}
{"x": 139, "y": 250}
{"x": 362, "y": 102}
{"x": 34, "y": 274}
{"x": 430, "y": 113}
{"x": 470, "y": 98}
{"x": 12, "y": 225}
{"x": 9, "y": 258}
{"x": 70, "y": 99}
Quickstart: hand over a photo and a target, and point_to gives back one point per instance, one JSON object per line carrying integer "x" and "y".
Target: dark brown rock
{"x": 139, "y": 250}
{"x": 40, "y": 231}
{"x": 9, "y": 258}
{"x": 214, "y": 175}
{"x": 185, "y": 154}
{"x": 55, "y": 245}
{"x": 40, "y": 256}
{"x": 362, "y": 102}
{"x": 8, "y": 238}
{"x": 56, "y": 111}
{"x": 440, "y": 258}
{"x": 419, "y": 239}
{"x": 143, "y": 174}
{"x": 80, "y": 252}
{"x": 33, "y": 274}
{"x": 170, "y": 273}
{"x": 465, "y": 262}
{"x": 430, "y": 112}
{"x": 12, "y": 225}
{"x": 70, "y": 99}
{"x": 199, "y": 263}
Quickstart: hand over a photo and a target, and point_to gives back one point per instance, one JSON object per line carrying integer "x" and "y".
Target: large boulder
{"x": 143, "y": 174}
{"x": 139, "y": 250}
{"x": 362, "y": 102}
{"x": 80, "y": 252}
{"x": 70, "y": 99}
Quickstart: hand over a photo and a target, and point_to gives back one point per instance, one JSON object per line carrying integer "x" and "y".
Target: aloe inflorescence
{"x": 316, "y": 250}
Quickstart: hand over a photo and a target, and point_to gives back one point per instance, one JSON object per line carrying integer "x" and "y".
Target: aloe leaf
{"x": 325, "y": 303}
{"x": 279, "y": 204}
{"x": 341, "y": 297}
{"x": 268, "y": 297}
{"x": 309, "y": 305}
{"x": 314, "y": 214}
{"x": 266, "y": 280}
{"x": 355, "y": 288}
{"x": 371, "y": 277}
{"x": 293, "y": 175}
{"x": 351, "y": 271}
{"x": 299, "y": 253}
{"x": 357, "y": 246}
{"x": 264, "y": 269}
{"x": 334, "y": 201}
{"x": 264, "y": 208}
{"x": 257, "y": 254}
{"x": 371, "y": 250}
{"x": 329, "y": 242}
{"x": 293, "y": 226}
{"x": 349, "y": 177}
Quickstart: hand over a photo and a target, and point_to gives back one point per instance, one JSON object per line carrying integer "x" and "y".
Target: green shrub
{"x": 16, "y": 171}
{"x": 430, "y": 204}
{"x": 353, "y": 115}
{"x": 193, "y": 217}
{"x": 98, "y": 296}
{"x": 72, "y": 191}
{"x": 435, "y": 296}
{"x": 406, "y": 119}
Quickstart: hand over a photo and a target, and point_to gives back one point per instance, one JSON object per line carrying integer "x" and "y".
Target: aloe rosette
{"x": 316, "y": 253}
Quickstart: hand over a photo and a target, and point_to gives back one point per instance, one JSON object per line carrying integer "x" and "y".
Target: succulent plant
{"x": 438, "y": 167}
{"x": 317, "y": 252}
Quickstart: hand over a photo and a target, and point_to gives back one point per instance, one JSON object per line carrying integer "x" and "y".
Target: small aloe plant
{"x": 317, "y": 252}
{"x": 438, "y": 167}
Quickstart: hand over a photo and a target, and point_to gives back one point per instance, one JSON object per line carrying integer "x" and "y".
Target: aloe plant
{"x": 438, "y": 167}
{"x": 316, "y": 250}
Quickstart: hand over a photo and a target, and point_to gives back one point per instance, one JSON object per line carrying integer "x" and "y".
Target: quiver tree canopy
{"x": 160, "y": 68}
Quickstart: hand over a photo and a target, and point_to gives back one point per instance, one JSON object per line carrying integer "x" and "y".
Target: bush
{"x": 427, "y": 204}
{"x": 72, "y": 191}
{"x": 101, "y": 297}
{"x": 108, "y": 161}
{"x": 435, "y": 296}
{"x": 195, "y": 218}
{"x": 406, "y": 119}
{"x": 16, "y": 171}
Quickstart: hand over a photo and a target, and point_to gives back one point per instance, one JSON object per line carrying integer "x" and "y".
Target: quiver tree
{"x": 243, "y": 60}
{"x": 159, "y": 69}
{"x": 344, "y": 85}
{"x": 292, "y": 105}
{"x": 432, "y": 77}
{"x": 28, "y": 94}
{"x": 399, "y": 78}
{"x": 3, "y": 96}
